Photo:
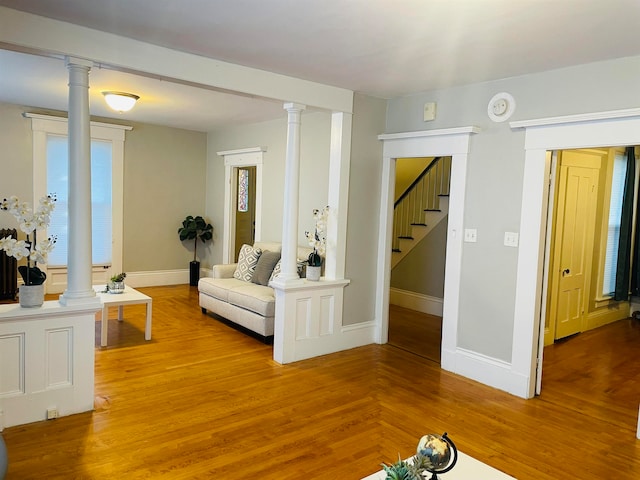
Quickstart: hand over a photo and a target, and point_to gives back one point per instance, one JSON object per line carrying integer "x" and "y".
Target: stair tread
{"x": 418, "y": 224}
{"x": 432, "y": 210}
{"x": 396, "y": 250}
{"x": 405, "y": 238}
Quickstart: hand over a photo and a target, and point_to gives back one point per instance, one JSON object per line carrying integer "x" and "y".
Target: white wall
{"x": 495, "y": 177}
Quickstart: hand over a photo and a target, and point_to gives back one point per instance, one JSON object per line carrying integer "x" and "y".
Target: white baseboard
{"x": 158, "y": 278}
{"x": 490, "y": 371}
{"x": 416, "y": 301}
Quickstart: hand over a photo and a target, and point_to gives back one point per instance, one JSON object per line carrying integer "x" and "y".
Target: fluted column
{"x": 291, "y": 194}
{"x": 79, "y": 283}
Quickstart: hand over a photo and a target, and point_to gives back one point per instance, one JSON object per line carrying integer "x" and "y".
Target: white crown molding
{"x": 430, "y": 133}
{"x": 577, "y": 118}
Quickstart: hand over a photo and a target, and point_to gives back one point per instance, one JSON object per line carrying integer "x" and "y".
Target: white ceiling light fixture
{"x": 120, "y": 101}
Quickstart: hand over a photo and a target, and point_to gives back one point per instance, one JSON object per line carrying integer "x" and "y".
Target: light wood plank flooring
{"x": 416, "y": 332}
{"x": 203, "y": 401}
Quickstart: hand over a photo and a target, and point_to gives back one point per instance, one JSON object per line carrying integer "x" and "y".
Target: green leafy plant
{"x": 194, "y": 228}
{"x": 119, "y": 277}
{"x": 408, "y": 470}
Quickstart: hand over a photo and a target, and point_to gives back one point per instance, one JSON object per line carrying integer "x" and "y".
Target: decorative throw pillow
{"x": 265, "y": 266}
{"x": 276, "y": 271}
{"x": 247, "y": 261}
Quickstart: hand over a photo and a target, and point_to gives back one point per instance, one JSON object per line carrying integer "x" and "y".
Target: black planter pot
{"x": 194, "y": 273}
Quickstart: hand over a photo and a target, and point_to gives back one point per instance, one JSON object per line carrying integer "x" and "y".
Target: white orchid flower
{"x": 29, "y": 222}
{"x": 28, "y": 225}
{"x": 15, "y": 248}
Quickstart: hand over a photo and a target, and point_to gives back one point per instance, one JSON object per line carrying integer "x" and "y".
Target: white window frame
{"x": 44, "y": 125}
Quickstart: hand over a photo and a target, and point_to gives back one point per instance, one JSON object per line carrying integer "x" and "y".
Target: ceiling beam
{"x": 32, "y": 33}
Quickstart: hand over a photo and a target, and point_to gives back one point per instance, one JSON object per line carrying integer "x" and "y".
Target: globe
{"x": 439, "y": 452}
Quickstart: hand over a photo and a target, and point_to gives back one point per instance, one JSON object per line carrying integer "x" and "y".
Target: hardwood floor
{"x": 203, "y": 401}
{"x": 416, "y": 332}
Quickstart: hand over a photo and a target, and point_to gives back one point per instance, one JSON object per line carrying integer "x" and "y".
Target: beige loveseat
{"x": 248, "y": 305}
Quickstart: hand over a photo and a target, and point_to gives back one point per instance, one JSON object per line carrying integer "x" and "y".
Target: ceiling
{"x": 384, "y": 48}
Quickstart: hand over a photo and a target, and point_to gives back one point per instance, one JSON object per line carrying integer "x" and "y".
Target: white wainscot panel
{"x": 59, "y": 358}
{"x": 46, "y": 361}
{"x": 12, "y": 364}
{"x": 309, "y": 321}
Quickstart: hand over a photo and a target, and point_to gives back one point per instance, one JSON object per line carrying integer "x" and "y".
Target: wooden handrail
{"x": 417, "y": 180}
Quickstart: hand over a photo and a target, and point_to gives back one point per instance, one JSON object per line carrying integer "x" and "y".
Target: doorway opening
{"x": 446, "y": 142}
{"x": 421, "y": 203}
{"x": 245, "y": 211}
{"x": 242, "y": 200}
{"x": 587, "y": 329}
{"x": 593, "y": 130}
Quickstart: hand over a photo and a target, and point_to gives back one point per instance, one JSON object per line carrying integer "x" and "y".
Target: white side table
{"x": 130, "y": 296}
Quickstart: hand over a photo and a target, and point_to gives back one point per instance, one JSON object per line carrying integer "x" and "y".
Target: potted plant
{"x": 317, "y": 240}
{"x": 116, "y": 283}
{"x": 32, "y": 292}
{"x": 194, "y": 228}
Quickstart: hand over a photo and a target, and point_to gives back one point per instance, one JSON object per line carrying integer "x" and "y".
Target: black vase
{"x": 194, "y": 273}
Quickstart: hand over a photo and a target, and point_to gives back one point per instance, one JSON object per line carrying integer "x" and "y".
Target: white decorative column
{"x": 291, "y": 195}
{"x": 308, "y": 317}
{"x": 339, "y": 167}
{"x": 79, "y": 289}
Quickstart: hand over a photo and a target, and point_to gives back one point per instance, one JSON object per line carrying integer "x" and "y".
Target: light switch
{"x": 511, "y": 239}
{"x": 470, "y": 235}
{"x": 429, "y": 111}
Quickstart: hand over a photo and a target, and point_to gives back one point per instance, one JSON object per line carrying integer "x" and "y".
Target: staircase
{"x": 420, "y": 208}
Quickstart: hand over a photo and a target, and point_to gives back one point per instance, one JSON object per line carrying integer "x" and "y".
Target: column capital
{"x": 294, "y": 107}
{"x": 75, "y": 61}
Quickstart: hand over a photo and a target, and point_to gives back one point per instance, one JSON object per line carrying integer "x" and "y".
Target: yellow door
{"x": 573, "y": 240}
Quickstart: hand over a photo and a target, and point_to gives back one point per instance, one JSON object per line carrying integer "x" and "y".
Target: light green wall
{"x": 164, "y": 181}
{"x": 495, "y": 176}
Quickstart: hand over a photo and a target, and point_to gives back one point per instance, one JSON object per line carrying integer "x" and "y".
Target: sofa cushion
{"x": 276, "y": 270}
{"x": 264, "y": 268}
{"x": 219, "y": 287}
{"x": 257, "y": 298}
{"x": 247, "y": 261}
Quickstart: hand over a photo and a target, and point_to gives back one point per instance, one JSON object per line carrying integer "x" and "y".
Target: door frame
{"x": 245, "y": 157}
{"x": 453, "y": 142}
{"x": 599, "y": 129}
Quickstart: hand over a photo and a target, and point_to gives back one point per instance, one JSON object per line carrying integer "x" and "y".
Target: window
{"x": 613, "y": 234}
{"x": 243, "y": 190}
{"x": 101, "y": 209}
{"x": 107, "y": 152}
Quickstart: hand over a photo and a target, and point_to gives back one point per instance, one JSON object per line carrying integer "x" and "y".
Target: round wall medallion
{"x": 501, "y": 107}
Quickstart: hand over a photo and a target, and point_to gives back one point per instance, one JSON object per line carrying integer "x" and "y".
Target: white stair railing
{"x": 422, "y": 196}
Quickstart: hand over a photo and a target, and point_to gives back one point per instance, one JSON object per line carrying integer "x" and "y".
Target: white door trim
{"x": 452, "y": 142}
{"x": 600, "y": 129}
{"x": 245, "y": 157}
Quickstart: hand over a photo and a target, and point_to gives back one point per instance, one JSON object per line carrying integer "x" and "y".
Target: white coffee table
{"x": 130, "y": 296}
{"x": 466, "y": 468}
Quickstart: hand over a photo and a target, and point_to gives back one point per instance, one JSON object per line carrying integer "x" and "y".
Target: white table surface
{"x": 130, "y": 296}
{"x": 466, "y": 468}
